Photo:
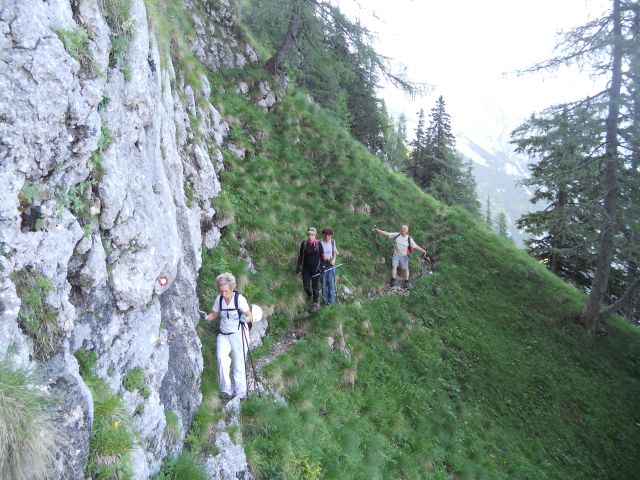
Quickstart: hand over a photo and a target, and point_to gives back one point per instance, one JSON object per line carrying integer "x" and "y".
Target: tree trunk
{"x": 591, "y": 314}
{"x": 558, "y": 240}
{"x": 275, "y": 64}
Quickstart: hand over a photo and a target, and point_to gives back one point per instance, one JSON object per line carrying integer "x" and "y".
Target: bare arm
{"x": 377, "y": 230}
{"x": 212, "y": 315}
{"x": 418, "y": 247}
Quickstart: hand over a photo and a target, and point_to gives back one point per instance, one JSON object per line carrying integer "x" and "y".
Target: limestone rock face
{"x": 105, "y": 198}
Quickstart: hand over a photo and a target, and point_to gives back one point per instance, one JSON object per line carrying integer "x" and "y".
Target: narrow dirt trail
{"x": 301, "y": 329}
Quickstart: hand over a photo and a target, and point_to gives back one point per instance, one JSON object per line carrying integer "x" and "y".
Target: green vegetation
{"x": 112, "y": 437}
{"x": 189, "y": 195}
{"x": 30, "y": 194}
{"x": 76, "y": 43}
{"x": 173, "y": 424}
{"x": 185, "y": 466}
{"x": 480, "y": 373}
{"x": 29, "y": 438}
{"x": 37, "y": 318}
{"x": 174, "y": 29}
{"x": 118, "y": 16}
{"x": 77, "y": 199}
{"x": 97, "y": 157}
{"x": 134, "y": 380}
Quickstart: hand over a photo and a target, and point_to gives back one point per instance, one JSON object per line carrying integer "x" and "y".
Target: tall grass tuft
{"x": 30, "y": 441}
{"x": 112, "y": 437}
{"x": 37, "y": 317}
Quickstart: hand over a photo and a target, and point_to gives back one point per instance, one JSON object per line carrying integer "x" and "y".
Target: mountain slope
{"x": 479, "y": 373}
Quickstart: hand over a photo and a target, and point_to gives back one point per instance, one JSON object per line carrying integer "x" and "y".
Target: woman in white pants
{"x": 234, "y": 312}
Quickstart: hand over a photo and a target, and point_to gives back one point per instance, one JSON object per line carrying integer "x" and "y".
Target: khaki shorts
{"x": 402, "y": 260}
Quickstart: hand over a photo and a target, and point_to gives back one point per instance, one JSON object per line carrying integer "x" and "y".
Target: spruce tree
{"x": 488, "y": 221}
{"x": 609, "y": 45}
{"x": 435, "y": 164}
{"x": 417, "y": 160}
{"x": 503, "y": 229}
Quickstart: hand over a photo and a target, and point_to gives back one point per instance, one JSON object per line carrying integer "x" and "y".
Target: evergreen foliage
{"x": 503, "y": 229}
{"x": 602, "y": 150}
{"x": 335, "y": 61}
{"x": 564, "y": 179}
{"x": 436, "y": 165}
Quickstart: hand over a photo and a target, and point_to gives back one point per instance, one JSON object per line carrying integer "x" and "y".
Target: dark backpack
{"x": 316, "y": 245}
{"x": 409, "y": 248}
{"x": 240, "y": 312}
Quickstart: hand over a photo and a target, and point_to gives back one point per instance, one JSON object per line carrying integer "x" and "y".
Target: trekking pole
{"x": 255, "y": 375}
{"x": 327, "y": 270}
{"x": 335, "y": 288}
{"x": 244, "y": 358}
{"x": 347, "y": 279}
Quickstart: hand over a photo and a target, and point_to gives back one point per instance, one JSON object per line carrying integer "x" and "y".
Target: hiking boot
{"x": 406, "y": 284}
{"x": 392, "y": 282}
{"x": 225, "y": 397}
{"x": 314, "y": 308}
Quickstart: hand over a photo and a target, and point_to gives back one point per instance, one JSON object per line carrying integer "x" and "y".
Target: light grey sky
{"x": 469, "y": 49}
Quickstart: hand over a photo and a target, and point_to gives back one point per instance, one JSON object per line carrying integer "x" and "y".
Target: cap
{"x": 311, "y": 230}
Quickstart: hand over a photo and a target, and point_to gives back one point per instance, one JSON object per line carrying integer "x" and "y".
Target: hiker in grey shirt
{"x": 403, "y": 246}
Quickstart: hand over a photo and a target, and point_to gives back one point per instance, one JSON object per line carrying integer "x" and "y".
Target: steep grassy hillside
{"x": 479, "y": 373}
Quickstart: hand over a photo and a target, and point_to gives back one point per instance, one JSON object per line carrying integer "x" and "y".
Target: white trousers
{"x": 228, "y": 347}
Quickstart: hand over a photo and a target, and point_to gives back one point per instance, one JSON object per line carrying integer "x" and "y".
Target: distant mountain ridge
{"x": 498, "y": 170}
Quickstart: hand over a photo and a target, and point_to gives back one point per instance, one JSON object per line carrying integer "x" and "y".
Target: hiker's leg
{"x": 325, "y": 288}
{"x": 395, "y": 260}
{"x": 223, "y": 349}
{"x": 315, "y": 283}
{"x": 306, "y": 282}
{"x": 404, "y": 264}
{"x": 239, "y": 378}
{"x": 331, "y": 283}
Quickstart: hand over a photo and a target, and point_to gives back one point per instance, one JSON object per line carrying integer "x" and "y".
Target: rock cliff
{"x": 109, "y": 160}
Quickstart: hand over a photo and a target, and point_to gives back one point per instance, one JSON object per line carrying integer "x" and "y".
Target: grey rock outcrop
{"x": 231, "y": 462}
{"x": 105, "y": 193}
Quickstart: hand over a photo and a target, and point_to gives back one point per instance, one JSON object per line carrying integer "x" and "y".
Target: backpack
{"x": 409, "y": 248}
{"x": 316, "y": 245}
{"x": 236, "y": 294}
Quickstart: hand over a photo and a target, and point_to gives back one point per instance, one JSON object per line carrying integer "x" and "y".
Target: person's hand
{"x": 203, "y": 314}
{"x": 243, "y": 318}
{"x": 298, "y": 270}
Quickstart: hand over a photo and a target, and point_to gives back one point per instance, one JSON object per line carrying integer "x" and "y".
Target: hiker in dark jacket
{"x": 309, "y": 264}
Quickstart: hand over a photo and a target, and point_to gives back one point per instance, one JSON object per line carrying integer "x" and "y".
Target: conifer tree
{"x": 488, "y": 221}
{"x": 609, "y": 45}
{"x": 418, "y": 153}
{"x": 563, "y": 180}
{"x": 503, "y": 229}
{"x": 435, "y": 164}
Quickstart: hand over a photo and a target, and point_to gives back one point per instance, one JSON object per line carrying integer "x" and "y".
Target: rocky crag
{"x": 108, "y": 165}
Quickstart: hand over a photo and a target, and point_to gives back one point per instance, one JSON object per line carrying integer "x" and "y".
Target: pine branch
{"x": 603, "y": 314}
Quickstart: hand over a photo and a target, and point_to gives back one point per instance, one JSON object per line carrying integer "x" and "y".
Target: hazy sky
{"x": 468, "y": 50}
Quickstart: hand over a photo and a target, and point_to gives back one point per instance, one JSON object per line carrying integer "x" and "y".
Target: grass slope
{"x": 478, "y": 374}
